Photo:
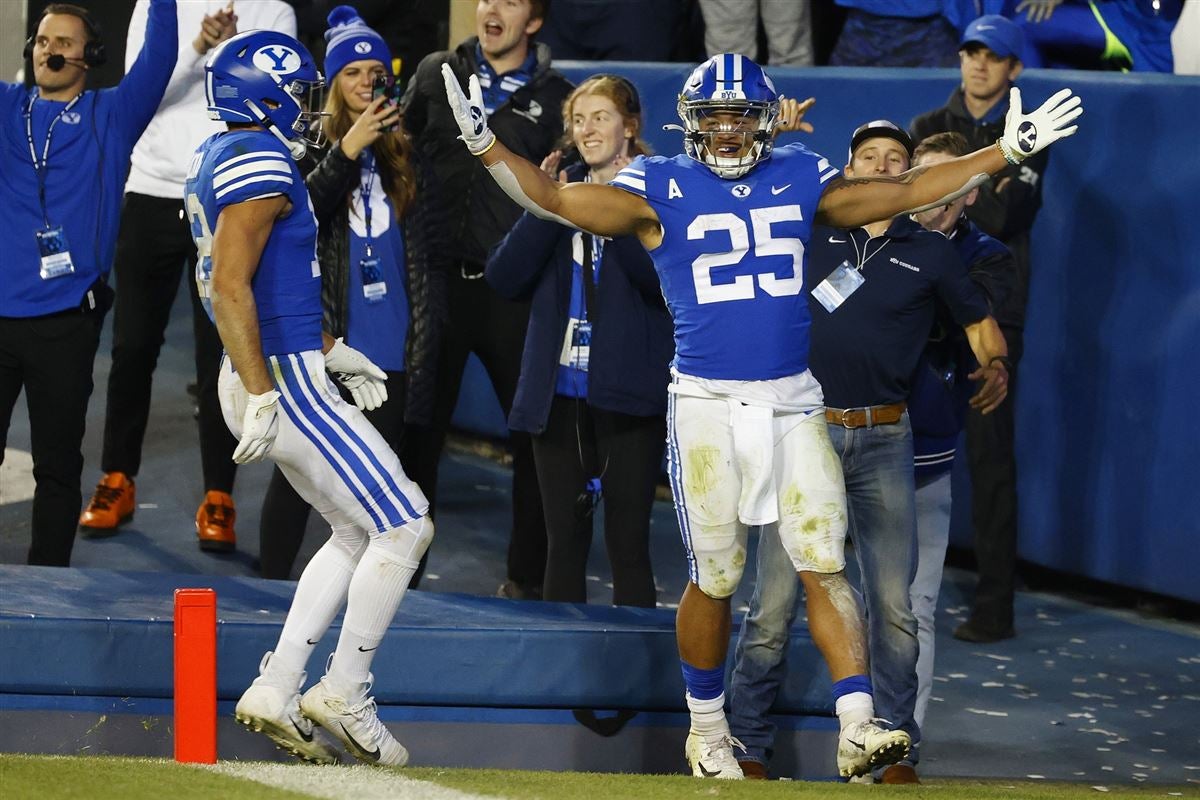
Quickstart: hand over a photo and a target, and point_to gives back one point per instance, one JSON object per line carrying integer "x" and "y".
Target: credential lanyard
{"x": 365, "y": 193}
{"x": 39, "y": 165}
{"x": 864, "y": 256}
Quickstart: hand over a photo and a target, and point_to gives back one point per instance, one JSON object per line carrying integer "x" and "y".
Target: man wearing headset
{"x": 63, "y": 158}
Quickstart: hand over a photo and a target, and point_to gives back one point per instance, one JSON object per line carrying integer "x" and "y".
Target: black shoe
{"x": 512, "y": 590}
{"x": 974, "y": 631}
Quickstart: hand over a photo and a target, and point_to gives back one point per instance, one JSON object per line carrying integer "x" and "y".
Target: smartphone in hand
{"x": 383, "y": 85}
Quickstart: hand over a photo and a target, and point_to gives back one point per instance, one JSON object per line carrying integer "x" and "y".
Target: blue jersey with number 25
{"x": 731, "y": 262}
{"x": 244, "y": 165}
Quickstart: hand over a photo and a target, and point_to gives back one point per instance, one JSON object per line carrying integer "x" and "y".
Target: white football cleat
{"x": 863, "y": 746}
{"x": 272, "y": 706}
{"x": 357, "y": 726}
{"x": 713, "y": 758}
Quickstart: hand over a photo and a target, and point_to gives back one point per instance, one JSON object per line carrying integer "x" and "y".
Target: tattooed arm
{"x": 851, "y": 202}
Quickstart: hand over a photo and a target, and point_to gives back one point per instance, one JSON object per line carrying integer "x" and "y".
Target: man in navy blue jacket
{"x": 64, "y": 153}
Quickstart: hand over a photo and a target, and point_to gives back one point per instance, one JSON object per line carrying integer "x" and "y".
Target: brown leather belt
{"x": 867, "y": 417}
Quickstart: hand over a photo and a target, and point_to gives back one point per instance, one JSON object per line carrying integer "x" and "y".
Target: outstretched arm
{"x": 851, "y": 202}
{"x": 603, "y": 210}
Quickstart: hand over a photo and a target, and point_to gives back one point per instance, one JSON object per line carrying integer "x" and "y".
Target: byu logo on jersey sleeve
{"x": 277, "y": 59}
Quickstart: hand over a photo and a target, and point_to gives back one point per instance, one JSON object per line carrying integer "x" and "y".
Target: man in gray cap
{"x": 1005, "y": 209}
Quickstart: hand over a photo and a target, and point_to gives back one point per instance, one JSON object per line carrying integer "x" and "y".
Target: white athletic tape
{"x": 340, "y": 782}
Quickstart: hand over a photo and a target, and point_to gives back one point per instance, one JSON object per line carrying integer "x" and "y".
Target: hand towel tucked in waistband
{"x": 754, "y": 453}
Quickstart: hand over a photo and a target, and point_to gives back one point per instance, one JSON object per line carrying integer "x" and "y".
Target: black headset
{"x": 94, "y": 54}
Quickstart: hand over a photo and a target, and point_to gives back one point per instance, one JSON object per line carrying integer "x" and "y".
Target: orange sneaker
{"x": 214, "y": 522}
{"x": 112, "y": 504}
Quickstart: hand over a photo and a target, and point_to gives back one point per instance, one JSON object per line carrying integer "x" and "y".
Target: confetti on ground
{"x": 987, "y": 713}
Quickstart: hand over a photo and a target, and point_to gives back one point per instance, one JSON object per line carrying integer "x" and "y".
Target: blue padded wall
{"x": 1108, "y": 444}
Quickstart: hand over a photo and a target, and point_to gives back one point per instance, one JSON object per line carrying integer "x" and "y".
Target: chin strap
{"x": 297, "y": 147}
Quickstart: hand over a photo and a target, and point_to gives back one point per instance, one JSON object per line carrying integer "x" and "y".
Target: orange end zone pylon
{"x": 196, "y": 675}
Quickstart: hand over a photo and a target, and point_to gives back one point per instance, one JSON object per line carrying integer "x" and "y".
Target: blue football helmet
{"x": 729, "y": 109}
{"x": 268, "y": 78}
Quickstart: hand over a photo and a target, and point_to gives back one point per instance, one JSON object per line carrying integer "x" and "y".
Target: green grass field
{"x": 113, "y": 778}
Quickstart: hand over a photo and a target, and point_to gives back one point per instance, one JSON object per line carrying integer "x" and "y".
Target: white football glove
{"x": 260, "y": 426}
{"x": 364, "y": 380}
{"x": 1026, "y": 134}
{"x": 469, "y": 112}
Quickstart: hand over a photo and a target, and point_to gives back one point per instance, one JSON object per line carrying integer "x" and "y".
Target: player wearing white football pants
{"x": 259, "y": 279}
{"x": 726, "y": 225}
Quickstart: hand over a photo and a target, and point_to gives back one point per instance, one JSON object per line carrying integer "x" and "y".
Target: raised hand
{"x": 369, "y": 126}
{"x": 1026, "y": 134}
{"x": 468, "y": 112}
{"x": 791, "y": 115}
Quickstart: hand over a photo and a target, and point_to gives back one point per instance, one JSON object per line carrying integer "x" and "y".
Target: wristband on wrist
{"x": 1010, "y": 155}
{"x": 1005, "y": 362}
{"x": 490, "y": 145}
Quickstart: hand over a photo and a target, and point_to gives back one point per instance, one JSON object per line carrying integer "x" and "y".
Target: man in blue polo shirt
{"x": 873, "y": 297}
{"x": 64, "y": 153}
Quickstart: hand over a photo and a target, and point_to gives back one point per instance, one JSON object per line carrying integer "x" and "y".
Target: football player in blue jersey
{"x": 258, "y": 277}
{"x": 726, "y": 225}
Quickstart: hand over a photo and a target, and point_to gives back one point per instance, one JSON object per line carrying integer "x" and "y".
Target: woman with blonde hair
{"x": 594, "y": 374}
{"x": 380, "y": 252}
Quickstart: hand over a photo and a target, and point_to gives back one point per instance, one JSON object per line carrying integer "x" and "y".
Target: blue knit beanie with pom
{"x": 349, "y": 39}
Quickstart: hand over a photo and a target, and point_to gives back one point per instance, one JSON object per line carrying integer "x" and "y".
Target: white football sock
{"x": 378, "y": 586}
{"x": 854, "y": 707}
{"x": 708, "y": 716}
{"x": 319, "y": 596}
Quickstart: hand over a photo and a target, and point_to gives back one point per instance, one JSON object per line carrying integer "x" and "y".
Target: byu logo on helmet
{"x": 1027, "y": 136}
{"x": 266, "y": 78}
{"x": 276, "y": 59}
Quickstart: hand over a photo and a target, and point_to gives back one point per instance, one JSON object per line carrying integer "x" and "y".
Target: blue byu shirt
{"x": 242, "y": 165}
{"x": 379, "y": 329}
{"x": 731, "y": 262}
{"x": 85, "y": 173}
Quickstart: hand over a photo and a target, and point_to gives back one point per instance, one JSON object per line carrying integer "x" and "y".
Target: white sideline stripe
{"x": 338, "y": 782}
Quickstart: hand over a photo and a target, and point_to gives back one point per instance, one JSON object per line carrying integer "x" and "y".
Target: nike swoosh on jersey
{"x": 371, "y": 754}
{"x": 780, "y": 189}
{"x": 362, "y": 649}
{"x": 309, "y": 641}
{"x": 832, "y": 240}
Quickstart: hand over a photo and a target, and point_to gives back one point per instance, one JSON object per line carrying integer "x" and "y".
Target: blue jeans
{"x": 880, "y": 498}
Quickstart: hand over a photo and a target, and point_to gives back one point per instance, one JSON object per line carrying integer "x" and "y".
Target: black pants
{"x": 493, "y": 328}
{"x": 581, "y": 442}
{"x": 52, "y": 358}
{"x": 153, "y": 250}
{"x": 991, "y": 456}
{"x": 285, "y": 514}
